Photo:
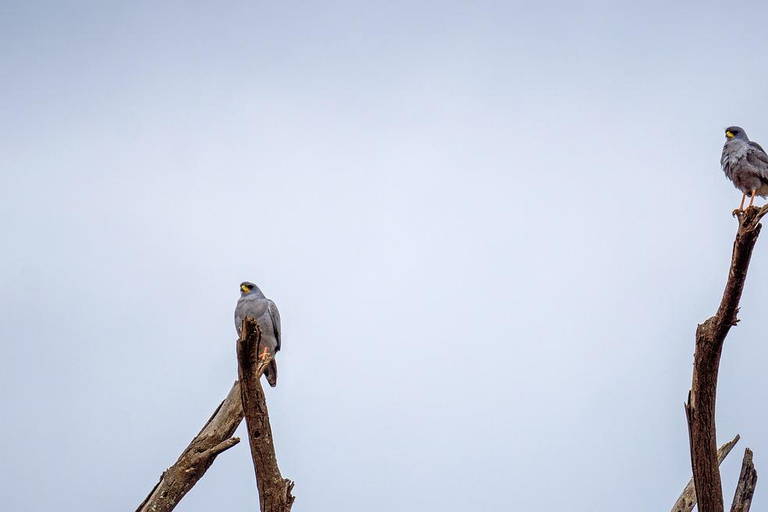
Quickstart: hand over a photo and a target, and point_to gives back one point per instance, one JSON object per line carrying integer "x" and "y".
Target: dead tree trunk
{"x": 700, "y": 408}
{"x": 274, "y": 490}
{"x": 194, "y": 461}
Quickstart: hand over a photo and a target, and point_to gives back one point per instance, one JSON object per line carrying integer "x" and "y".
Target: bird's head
{"x": 246, "y": 288}
{"x": 735, "y": 132}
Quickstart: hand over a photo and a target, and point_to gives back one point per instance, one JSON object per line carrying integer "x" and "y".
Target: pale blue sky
{"x": 491, "y": 230}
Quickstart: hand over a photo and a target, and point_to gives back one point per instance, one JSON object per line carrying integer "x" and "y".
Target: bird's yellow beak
{"x": 729, "y": 134}
{"x": 244, "y": 289}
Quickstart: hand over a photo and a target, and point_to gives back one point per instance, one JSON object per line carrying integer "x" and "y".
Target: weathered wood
{"x": 687, "y": 499}
{"x": 700, "y": 408}
{"x": 274, "y": 490}
{"x": 745, "y": 489}
{"x": 194, "y": 461}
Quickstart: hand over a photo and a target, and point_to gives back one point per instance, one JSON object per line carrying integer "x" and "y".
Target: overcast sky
{"x": 491, "y": 229}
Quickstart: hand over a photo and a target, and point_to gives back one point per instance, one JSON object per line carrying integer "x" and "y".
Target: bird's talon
{"x": 264, "y": 354}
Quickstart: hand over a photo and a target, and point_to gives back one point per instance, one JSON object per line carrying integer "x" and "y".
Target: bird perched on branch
{"x": 254, "y": 304}
{"x": 745, "y": 163}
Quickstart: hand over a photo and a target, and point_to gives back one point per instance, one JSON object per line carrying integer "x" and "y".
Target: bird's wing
{"x": 274, "y": 314}
{"x": 757, "y": 157}
{"x": 756, "y": 145}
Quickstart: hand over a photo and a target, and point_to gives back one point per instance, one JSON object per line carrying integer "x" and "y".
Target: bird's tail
{"x": 271, "y": 373}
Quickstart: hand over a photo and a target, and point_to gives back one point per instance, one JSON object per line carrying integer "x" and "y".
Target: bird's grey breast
{"x": 734, "y": 152}
{"x": 250, "y": 305}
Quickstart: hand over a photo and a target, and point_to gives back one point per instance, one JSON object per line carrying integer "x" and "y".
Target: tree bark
{"x": 194, "y": 461}
{"x": 274, "y": 490}
{"x": 700, "y": 408}
{"x": 687, "y": 499}
{"x": 745, "y": 489}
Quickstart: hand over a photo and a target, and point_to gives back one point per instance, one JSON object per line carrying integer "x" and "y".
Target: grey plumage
{"x": 745, "y": 163}
{"x": 254, "y": 304}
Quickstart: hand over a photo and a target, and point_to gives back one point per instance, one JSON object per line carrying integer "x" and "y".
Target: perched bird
{"x": 745, "y": 163}
{"x": 254, "y": 304}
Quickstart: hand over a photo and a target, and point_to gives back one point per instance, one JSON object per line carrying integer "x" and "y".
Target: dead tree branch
{"x": 687, "y": 499}
{"x": 700, "y": 408}
{"x": 274, "y": 490}
{"x": 194, "y": 461}
{"x": 745, "y": 489}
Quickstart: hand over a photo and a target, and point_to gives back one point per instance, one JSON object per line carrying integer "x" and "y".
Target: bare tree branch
{"x": 194, "y": 461}
{"x": 274, "y": 490}
{"x": 687, "y": 499}
{"x": 700, "y": 408}
{"x": 745, "y": 489}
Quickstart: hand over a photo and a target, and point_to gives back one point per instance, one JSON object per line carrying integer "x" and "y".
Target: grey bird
{"x": 745, "y": 163}
{"x": 254, "y": 304}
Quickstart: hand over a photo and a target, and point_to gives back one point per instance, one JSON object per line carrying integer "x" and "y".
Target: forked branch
{"x": 687, "y": 499}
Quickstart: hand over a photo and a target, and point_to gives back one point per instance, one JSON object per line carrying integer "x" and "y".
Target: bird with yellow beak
{"x": 745, "y": 163}
{"x": 254, "y": 304}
